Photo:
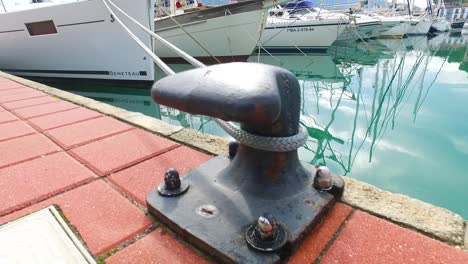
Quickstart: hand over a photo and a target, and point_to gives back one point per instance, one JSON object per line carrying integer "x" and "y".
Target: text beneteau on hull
{"x": 74, "y": 39}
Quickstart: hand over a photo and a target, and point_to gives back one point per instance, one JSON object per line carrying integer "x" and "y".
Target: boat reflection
{"x": 348, "y": 121}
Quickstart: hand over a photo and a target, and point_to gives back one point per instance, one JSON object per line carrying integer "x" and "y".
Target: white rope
{"x": 274, "y": 144}
{"x": 155, "y": 58}
{"x": 179, "y": 52}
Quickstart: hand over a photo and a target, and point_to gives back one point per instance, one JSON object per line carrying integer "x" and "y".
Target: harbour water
{"x": 390, "y": 112}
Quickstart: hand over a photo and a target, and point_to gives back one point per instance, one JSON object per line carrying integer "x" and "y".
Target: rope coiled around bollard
{"x": 273, "y": 144}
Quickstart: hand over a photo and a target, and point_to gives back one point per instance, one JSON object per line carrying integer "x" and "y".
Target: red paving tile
{"x": 83, "y": 132}
{"x": 14, "y": 129}
{"x": 157, "y": 247}
{"x": 102, "y": 216}
{"x": 28, "y": 182}
{"x": 316, "y": 242}
{"x": 40, "y": 110}
{"x": 30, "y": 102}
{"x": 368, "y": 239}
{"x": 6, "y": 116}
{"x": 138, "y": 180}
{"x": 16, "y": 90}
{"x": 25, "y": 148}
{"x": 7, "y": 84}
{"x": 20, "y": 96}
{"x": 63, "y": 118}
{"x": 122, "y": 150}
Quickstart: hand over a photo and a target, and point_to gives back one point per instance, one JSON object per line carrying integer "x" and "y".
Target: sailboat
{"x": 73, "y": 39}
{"x": 210, "y": 34}
{"x": 408, "y": 24}
{"x": 300, "y": 27}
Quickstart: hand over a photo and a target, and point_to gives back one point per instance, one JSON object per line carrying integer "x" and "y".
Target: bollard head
{"x": 264, "y": 99}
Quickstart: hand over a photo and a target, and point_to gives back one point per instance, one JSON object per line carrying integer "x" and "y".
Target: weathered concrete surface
{"x": 105, "y": 108}
{"x": 466, "y": 236}
{"x": 208, "y": 143}
{"x": 434, "y": 221}
{"x": 153, "y": 124}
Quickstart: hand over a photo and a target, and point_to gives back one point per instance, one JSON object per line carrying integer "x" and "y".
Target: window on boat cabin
{"x": 41, "y": 28}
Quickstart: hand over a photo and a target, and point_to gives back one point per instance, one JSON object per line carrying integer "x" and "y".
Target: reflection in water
{"x": 387, "y": 112}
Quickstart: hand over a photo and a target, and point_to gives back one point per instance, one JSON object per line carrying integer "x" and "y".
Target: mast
{"x": 409, "y": 7}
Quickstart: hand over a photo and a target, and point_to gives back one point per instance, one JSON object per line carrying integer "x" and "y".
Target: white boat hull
{"x": 441, "y": 25}
{"x": 286, "y": 36}
{"x": 361, "y": 27}
{"x": 396, "y": 31}
{"x": 87, "y": 43}
{"x": 420, "y": 28}
{"x": 230, "y": 37}
{"x": 410, "y": 27}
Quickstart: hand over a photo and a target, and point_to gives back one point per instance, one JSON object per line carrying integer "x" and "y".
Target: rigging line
{"x": 180, "y": 52}
{"x": 155, "y": 58}
{"x": 402, "y": 96}
{"x": 435, "y": 77}
{"x": 186, "y": 32}
{"x": 257, "y": 41}
{"x": 372, "y": 120}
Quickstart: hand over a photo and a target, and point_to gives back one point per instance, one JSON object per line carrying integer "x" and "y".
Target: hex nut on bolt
{"x": 323, "y": 179}
{"x": 172, "y": 185}
{"x": 266, "y": 234}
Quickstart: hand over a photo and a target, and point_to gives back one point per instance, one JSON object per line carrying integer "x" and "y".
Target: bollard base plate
{"x": 214, "y": 216}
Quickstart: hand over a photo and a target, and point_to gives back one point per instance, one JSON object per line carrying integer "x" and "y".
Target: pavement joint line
{"x": 127, "y": 243}
{"x": 334, "y": 237}
{"x": 143, "y": 160}
{"x": 16, "y": 137}
{"x": 16, "y": 100}
{"x": 84, "y": 183}
{"x": 124, "y": 194}
{"x": 89, "y": 141}
{"x": 77, "y": 106}
{"x": 126, "y": 166}
{"x": 44, "y": 130}
{"x": 1, "y": 123}
{"x": 29, "y": 159}
{"x": 45, "y": 197}
{"x": 10, "y": 109}
{"x": 72, "y": 228}
{"x": 13, "y": 88}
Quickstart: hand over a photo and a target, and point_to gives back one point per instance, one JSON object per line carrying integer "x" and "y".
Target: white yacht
{"x": 409, "y": 25}
{"x": 299, "y": 27}
{"x": 210, "y": 34}
{"x": 73, "y": 39}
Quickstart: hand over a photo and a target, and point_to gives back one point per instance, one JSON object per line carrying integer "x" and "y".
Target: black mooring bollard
{"x": 262, "y": 203}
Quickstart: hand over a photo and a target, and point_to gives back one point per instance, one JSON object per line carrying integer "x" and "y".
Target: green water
{"x": 392, "y": 113}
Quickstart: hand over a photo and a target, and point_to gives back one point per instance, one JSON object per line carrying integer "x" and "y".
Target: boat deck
{"x": 97, "y": 170}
